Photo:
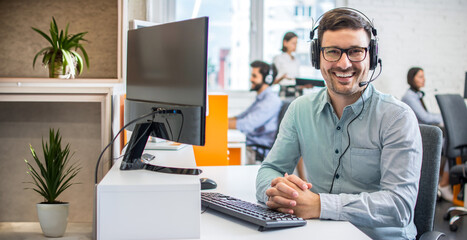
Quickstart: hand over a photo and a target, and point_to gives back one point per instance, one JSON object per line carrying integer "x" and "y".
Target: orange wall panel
{"x": 214, "y": 152}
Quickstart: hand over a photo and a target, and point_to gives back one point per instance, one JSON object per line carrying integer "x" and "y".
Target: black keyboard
{"x": 254, "y": 213}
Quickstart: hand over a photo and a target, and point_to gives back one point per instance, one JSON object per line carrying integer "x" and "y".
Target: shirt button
{"x": 337, "y": 176}
{"x": 337, "y": 151}
{"x": 338, "y": 128}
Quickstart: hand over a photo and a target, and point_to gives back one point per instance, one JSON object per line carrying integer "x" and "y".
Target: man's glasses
{"x": 334, "y": 54}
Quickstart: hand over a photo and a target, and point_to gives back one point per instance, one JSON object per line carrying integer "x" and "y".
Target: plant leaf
{"x": 39, "y": 53}
{"x": 44, "y": 35}
{"x": 79, "y": 61}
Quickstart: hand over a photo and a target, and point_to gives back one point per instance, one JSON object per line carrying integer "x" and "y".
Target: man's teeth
{"x": 344, "y": 75}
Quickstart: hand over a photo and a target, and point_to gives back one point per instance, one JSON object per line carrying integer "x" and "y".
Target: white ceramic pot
{"x": 53, "y": 218}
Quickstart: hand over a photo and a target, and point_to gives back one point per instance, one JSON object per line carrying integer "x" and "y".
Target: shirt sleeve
{"x": 423, "y": 115}
{"x": 282, "y": 158}
{"x": 393, "y": 205}
{"x": 258, "y": 114}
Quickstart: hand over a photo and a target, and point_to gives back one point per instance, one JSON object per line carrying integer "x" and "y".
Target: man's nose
{"x": 344, "y": 61}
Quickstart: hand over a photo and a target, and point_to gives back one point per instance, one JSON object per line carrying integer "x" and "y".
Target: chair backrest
{"x": 454, "y": 112}
{"x": 432, "y": 138}
{"x": 285, "y": 105}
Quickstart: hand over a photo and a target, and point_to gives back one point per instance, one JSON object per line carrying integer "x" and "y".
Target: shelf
{"x": 60, "y": 81}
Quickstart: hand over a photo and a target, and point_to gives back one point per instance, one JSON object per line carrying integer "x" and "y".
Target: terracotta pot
{"x": 53, "y": 218}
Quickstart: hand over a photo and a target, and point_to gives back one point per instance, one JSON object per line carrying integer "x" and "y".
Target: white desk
{"x": 142, "y": 204}
{"x": 237, "y": 181}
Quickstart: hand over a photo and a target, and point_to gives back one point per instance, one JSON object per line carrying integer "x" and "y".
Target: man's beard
{"x": 256, "y": 87}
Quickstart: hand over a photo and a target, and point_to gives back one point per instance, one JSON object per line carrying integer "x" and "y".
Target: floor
{"x": 442, "y": 225}
{"x": 83, "y": 231}
{"x": 32, "y": 231}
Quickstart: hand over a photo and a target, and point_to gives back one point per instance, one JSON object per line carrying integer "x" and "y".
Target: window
{"x": 228, "y": 47}
{"x": 247, "y": 30}
{"x": 296, "y": 16}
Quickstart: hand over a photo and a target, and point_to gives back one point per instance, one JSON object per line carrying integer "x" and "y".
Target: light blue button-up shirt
{"x": 259, "y": 121}
{"x": 376, "y": 185}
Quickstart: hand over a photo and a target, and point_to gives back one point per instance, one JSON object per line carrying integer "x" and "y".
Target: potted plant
{"x": 50, "y": 178}
{"x": 61, "y": 57}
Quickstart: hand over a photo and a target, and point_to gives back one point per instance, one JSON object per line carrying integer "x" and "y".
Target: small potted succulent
{"x": 50, "y": 178}
{"x": 62, "y": 57}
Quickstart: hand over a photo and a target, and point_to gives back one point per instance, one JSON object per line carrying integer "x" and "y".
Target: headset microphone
{"x": 361, "y": 84}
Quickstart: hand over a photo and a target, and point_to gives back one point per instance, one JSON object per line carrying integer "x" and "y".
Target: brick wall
{"x": 431, "y": 34}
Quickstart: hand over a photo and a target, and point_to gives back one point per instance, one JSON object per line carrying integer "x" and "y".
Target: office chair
{"x": 454, "y": 112}
{"x": 262, "y": 150}
{"x": 432, "y": 138}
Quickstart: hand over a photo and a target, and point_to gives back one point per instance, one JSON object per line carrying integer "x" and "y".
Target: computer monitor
{"x": 166, "y": 75}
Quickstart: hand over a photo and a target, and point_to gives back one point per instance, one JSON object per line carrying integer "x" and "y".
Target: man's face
{"x": 256, "y": 79}
{"x": 342, "y": 77}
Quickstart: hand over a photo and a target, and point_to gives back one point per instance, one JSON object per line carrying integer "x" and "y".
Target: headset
{"x": 269, "y": 78}
{"x": 315, "y": 47}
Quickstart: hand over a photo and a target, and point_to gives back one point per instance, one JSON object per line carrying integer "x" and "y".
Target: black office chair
{"x": 432, "y": 138}
{"x": 454, "y": 112}
{"x": 262, "y": 150}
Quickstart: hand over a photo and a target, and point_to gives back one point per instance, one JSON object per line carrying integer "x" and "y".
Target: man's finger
{"x": 298, "y": 181}
{"x": 285, "y": 210}
{"x": 277, "y": 180}
{"x": 282, "y": 201}
{"x": 287, "y": 190}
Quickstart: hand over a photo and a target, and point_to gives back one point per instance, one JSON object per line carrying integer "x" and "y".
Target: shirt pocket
{"x": 365, "y": 165}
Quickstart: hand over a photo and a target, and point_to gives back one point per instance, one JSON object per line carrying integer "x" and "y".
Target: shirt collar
{"x": 356, "y": 106}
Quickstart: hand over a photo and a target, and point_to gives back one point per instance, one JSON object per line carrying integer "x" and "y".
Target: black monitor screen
{"x": 167, "y": 63}
{"x": 166, "y": 73}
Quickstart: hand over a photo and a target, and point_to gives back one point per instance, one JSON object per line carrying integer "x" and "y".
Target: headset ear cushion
{"x": 373, "y": 54}
{"x": 268, "y": 79}
{"x": 315, "y": 53}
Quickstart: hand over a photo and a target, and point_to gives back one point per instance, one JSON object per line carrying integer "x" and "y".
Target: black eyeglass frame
{"x": 346, "y": 53}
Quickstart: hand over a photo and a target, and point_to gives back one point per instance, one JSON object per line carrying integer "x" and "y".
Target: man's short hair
{"x": 338, "y": 19}
{"x": 264, "y": 69}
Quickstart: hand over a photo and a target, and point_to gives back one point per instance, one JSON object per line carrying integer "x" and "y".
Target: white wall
{"x": 431, "y": 34}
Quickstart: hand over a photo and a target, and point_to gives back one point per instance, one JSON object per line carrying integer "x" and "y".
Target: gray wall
{"x": 19, "y": 43}
{"x": 26, "y": 123}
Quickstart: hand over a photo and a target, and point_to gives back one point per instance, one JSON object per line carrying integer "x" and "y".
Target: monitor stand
{"x": 132, "y": 159}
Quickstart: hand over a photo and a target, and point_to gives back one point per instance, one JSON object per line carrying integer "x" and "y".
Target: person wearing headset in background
{"x": 414, "y": 98}
{"x": 362, "y": 149}
{"x": 259, "y": 120}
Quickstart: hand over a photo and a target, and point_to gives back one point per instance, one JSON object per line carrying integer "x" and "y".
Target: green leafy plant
{"x": 62, "y": 52}
{"x": 53, "y": 176}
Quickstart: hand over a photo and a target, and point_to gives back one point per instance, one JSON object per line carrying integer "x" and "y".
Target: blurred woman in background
{"x": 414, "y": 98}
{"x": 286, "y": 63}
